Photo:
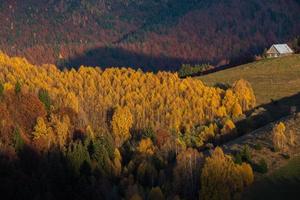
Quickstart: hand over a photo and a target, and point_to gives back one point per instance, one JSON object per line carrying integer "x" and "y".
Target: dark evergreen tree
{"x": 45, "y": 99}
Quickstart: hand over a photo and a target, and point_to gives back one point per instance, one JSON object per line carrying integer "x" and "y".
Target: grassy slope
{"x": 270, "y": 78}
{"x": 282, "y": 184}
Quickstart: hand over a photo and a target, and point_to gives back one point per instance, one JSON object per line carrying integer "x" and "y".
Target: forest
{"x": 104, "y": 99}
{"x": 117, "y": 133}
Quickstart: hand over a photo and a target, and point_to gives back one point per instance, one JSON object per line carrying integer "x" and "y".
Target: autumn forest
{"x": 116, "y": 133}
{"x": 149, "y": 100}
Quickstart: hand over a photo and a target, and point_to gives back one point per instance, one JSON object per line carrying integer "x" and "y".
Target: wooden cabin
{"x": 279, "y": 50}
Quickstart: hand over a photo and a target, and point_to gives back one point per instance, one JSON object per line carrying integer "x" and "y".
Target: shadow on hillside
{"x": 48, "y": 176}
{"x": 263, "y": 115}
{"x": 117, "y": 57}
{"x": 277, "y": 188}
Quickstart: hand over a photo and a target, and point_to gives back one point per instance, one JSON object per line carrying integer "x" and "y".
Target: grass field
{"x": 270, "y": 78}
{"x": 282, "y": 184}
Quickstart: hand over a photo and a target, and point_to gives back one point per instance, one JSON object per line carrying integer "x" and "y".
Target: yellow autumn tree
{"x": 117, "y": 163}
{"x": 61, "y": 127}
{"x": 71, "y": 101}
{"x": 245, "y": 94}
{"x": 279, "y": 138}
{"x": 122, "y": 121}
{"x": 43, "y": 136}
{"x": 208, "y": 132}
{"x": 40, "y": 128}
{"x": 146, "y": 147}
{"x": 8, "y": 86}
{"x": 229, "y": 100}
{"x": 246, "y": 173}
{"x": 237, "y": 110}
{"x": 90, "y": 132}
{"x": 221, "y": 178}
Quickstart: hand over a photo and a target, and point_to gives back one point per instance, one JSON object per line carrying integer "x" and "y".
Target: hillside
{"x": 281, "y": 180}
{"x": 283, "y": 183}
{"x": 275, "y": 79}
{"x": 151, "y": 35}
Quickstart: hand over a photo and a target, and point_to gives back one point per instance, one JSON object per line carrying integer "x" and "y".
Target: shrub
{"x": 257, "y": 146}
{"x": 245, "y": 154}
{"x": 223, "y": 86}
{"x": 261, "y": 167}
{"x": 192, "y": 70}
{"x": 238, "y": 158}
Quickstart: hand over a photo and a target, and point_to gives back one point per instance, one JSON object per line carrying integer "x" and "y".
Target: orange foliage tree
{"x": 221, "y": 178}
{"x": 121, "y": 124}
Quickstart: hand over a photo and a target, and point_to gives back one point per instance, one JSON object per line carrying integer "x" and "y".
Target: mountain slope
{"x": 161, "y": 33}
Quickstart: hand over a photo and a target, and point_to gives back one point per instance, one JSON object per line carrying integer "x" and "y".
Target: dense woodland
{"x": 151, "y": 35}
{"x": 116, "y": 133}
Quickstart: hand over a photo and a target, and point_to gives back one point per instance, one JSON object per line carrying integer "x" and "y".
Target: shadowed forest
{"x": 108, "y": 57}
{"x": 145, "y": 34}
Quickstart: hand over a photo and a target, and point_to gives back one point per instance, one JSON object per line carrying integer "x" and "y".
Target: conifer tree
{"x": 77, "y": 154}
{"x": 18, "y": 140}
{"x": 45, "y": 99}
{"x": 18, "y": 88}
{"x": 1, "y": 89}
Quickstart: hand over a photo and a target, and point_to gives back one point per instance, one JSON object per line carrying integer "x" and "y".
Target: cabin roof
{"x": 283, "y": 48}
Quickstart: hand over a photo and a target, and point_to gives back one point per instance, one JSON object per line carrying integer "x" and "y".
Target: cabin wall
{"x": 276, "y": 55}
